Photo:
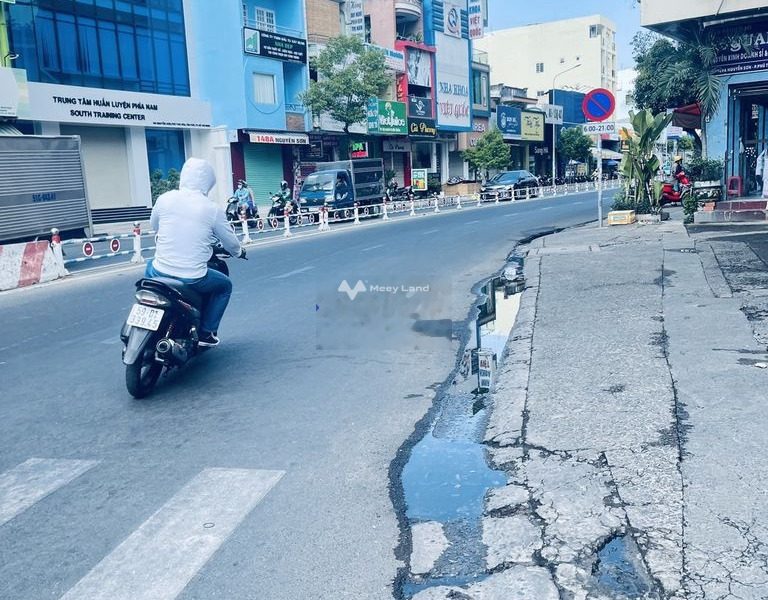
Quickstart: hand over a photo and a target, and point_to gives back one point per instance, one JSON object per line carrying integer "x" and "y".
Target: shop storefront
{"x": 125, "y": 136}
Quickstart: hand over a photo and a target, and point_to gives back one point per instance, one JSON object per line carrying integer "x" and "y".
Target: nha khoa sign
{"x": 741, "y": 48}
{"x": 475, "y": 12}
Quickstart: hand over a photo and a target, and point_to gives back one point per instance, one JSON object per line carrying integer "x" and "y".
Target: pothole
{"x": 447, "y": 476}
{"x": 619, "y": 572}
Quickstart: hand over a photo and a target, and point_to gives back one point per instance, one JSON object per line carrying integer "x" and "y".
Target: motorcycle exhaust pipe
{"x": 168, "y": 349}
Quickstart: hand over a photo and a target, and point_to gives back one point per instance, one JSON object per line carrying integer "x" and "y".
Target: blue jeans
{"x": 214, "y": 287}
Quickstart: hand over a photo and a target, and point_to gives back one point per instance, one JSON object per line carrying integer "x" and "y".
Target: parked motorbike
{"x": 278, "y": 209}
{"x": 671, "y": 196}
{"x": 398, "y": 194}
{"x": 235, "y": 210}
{"x": 161, "y": 331}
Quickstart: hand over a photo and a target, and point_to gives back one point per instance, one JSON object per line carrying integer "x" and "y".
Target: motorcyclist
{"x": 188, "y": 223}
{"x": 678, "y": 172}
{"x": 244, "y": 196}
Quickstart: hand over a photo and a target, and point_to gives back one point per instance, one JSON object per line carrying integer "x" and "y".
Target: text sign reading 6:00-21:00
{"x": 592, "y": 128}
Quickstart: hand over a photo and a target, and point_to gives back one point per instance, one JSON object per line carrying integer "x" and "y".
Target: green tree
{"x": 490, "y": 154}
{"x": 574, "y": 145}
{"x": 349, "y": 73}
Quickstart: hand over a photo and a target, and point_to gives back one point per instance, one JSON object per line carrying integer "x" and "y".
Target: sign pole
{"x": 600, "y": 180}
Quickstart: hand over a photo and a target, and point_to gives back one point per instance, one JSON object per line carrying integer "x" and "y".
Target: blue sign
{"x": 509, "y": 120}
{"x": 598, "y": 104}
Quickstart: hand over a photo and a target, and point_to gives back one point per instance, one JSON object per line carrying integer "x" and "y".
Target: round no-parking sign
{"x": 87, "y": 249}
{"x": 598, "y": 105}
{"x": 114, "y": 245}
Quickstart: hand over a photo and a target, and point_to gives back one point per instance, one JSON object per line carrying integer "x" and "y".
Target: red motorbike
{"x": 671, "y": 196}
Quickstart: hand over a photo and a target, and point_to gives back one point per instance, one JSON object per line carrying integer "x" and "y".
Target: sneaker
{"x": 208, "y": 340}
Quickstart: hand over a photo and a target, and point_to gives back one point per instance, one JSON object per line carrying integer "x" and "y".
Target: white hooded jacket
{"x": 188, "y": 223}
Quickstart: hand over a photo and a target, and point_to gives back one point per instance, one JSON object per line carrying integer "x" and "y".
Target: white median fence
{"x": 63, "y": 250}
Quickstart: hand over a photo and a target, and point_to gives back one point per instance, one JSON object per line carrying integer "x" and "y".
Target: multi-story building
{"x": 533, "y": 56}
{"x": 117, "y": 75}
{"x": 249, "y": 60}
{"x": 738, "y": 131}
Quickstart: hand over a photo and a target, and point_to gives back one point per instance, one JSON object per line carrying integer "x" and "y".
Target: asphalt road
{"x": 267, "y": 468}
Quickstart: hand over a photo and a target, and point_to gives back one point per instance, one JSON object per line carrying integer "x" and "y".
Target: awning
{"x": 8, "y": 129}
{"x": 607, "y": 154}
{"x": 688, "y": 116}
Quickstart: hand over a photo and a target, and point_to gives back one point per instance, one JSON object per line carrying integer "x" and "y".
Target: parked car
{"x": 510, "y": 185}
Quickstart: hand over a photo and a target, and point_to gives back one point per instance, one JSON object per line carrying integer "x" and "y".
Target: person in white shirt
{"x": 188, "y": 223}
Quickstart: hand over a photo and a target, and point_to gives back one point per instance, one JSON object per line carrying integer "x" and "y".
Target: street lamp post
{"x": 554, "y": 125}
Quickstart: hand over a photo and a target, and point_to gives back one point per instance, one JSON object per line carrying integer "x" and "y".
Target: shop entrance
{"x": 751, "y": 107}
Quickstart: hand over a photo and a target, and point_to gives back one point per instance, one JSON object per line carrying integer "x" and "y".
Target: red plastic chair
{"x": 738, "y": 189}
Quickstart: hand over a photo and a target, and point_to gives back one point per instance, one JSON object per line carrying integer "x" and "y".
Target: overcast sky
{"x": 504, "y": 14}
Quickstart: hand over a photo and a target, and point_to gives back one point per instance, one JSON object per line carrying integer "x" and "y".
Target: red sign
{"x": 88, "y": 249}
{"x": 114, "y": 245}
{"x": 598, "y": 105}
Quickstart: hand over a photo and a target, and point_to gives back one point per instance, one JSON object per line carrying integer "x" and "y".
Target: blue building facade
{"x": 250, "y": 63}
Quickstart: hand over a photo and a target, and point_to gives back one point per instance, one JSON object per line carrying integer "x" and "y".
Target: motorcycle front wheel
{"x": 142, "y": 375}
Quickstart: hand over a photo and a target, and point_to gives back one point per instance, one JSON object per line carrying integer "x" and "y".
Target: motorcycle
{"x": 235, "y": 211}
{"x": 671, "y": 196}
{"x": 161, "y": 331}
{"x": 278, "y": 209}
{"x": 398, "y": 194}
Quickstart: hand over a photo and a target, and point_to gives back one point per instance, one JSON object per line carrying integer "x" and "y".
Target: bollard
{"x": 58, "y": 254}
{"x": 497, "y": 197}
{"x": 458, "y": 202}
{"x": 287, "y": 215}
{"x": 413, "y": 208}
{"x": 324, "y": 226}
{"x": 246, "y": 236}
{"x": 137, "y": 257}
{"x": 386, "y": 216}
{"x": 437, "y": 207}
{"x": 357, "y": 215}
{"x": 477, "y": 194}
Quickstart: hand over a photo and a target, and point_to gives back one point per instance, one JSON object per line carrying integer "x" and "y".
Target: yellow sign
{"x": 533, "y": 126}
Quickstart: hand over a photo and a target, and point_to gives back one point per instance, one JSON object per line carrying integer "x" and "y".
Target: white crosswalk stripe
{"x": 33, "y": 480}
{"x": 159, "y": 559}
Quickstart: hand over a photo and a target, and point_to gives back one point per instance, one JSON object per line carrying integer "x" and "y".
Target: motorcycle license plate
{"x": 145, "y": 317}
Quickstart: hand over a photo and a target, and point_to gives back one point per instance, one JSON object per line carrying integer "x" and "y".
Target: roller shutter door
{"x": 263, "y": 172}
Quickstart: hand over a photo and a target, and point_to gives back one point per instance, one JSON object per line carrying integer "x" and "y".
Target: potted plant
{"x": 706, "y": 174}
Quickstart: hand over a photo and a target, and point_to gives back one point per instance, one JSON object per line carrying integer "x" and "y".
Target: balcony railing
{"x": 408, "y": 8}
{"x": 297, "y": 33}
{"x": 479, "y": 56}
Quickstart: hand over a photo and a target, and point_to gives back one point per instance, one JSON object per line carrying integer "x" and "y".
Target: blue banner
{"x": 509, "y": 120}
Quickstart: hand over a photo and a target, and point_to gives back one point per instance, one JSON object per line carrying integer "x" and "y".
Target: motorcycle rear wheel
{"x": 142, "y": 375}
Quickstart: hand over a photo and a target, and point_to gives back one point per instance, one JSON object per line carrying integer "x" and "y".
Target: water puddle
{"x": 621, "y": 571}
{"x": 447, "y": 476}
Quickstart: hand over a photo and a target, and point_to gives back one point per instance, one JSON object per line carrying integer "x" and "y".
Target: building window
{"x": 539, "y": 67}
{"x": 594, "y": 31}
{"x": 265, "y": 19}
{"x": 541, "y": 93}
{"x": 245, "y": 14}
{"x": 121, "y": 45}
{"x": 264, "y": 88}
{"x": 367, "y": 19}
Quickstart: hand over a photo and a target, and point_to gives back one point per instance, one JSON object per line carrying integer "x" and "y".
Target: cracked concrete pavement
{"x": 630, "y": 408}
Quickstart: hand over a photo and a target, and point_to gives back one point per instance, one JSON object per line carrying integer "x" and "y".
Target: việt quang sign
{"x": 741, "y": 48}
{"x": 532, "y": 126}
{"x": 386, "y": 117}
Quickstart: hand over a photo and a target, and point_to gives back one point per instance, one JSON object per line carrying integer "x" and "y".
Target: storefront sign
{"x": 469, "y": 139}
{"x": 393, "y": 59}
{"x": 553, "y": 113}
{"x": 274, "y": 45}
{"x": 14, "y": 93}
{"x": 386, "y": 117}
{"x": 356, "y": 18}
{"x": 733, "y": 58}
{"x": 453, "y": 95}
{"x": 475, "y": 10}
{"x": 419, "y": 67}
{"x": 509, "y": 120}
{"x": 420, "y": 107}
{"x": 419, "y": 180}
{"x": 358, "y": 149}
{"x": 422, "y": 127}
{"x": 397, "y": 145}
{"x": 452, "y": 23}
{"x": 266, "y": 137}
{"x": 533, "y": 126}
{"x": 96, "y": 106}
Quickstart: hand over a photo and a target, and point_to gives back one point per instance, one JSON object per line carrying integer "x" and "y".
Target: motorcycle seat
{"x": 186, "y": 292}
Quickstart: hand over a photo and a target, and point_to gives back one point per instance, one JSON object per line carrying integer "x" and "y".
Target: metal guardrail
{"x": 322, "y": 220}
